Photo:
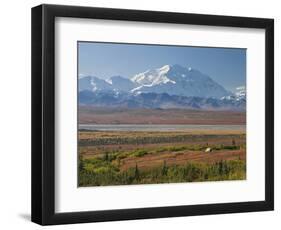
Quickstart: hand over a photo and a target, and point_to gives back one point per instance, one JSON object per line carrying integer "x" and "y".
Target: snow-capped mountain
{"x": 178, "y": 80}
{"x": 166, "y": 87}
{"x": 240, "y": 92}
{"x": 92, "y": 83}
{"x": 121, "y": 84}
{"x": 153, "y": 77}
{"x": 171, "y": 79}
{"x": 155, "y": 100}
{"x": 238, "y": 95}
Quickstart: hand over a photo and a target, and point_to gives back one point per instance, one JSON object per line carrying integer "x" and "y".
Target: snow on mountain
{"x": 240, "y": 92}
{"x": 166, "y": 87}
{"x": 153, "y": 77}
{"x": 178, "y": 80}
{"x": 115, "y": 83}
{"x": 170, "y": 79}
{"x": 157, "y": 101}
{"x": 121, "y": 84}
{"x": 93, "y": 83}
{"x": 238, "y": 95}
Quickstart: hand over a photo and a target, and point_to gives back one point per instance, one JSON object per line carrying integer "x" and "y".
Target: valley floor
{"x": 140, "y": 157}
{"x": 102, "y": 115}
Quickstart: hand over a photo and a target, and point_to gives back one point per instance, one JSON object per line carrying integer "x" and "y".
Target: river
{"x": 148, "y": 127}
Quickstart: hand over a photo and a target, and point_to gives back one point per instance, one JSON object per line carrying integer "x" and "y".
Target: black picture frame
{"x": 43, "y": 114}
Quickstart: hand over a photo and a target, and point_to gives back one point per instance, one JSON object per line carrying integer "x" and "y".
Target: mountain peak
{"x": 240, "y": 92}
{"x": 165, "y": 68}
{"x": 153, "y": 77}
{"x": 182, "y": 69}
{"x": 170, "y": 79}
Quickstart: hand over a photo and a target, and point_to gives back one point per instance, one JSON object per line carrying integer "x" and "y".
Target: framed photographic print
{"x": 142, "y": 114}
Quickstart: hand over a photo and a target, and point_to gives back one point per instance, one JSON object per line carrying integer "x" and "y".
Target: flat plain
{"x": 96, "y": 115}
{"x": 146, "y": 157}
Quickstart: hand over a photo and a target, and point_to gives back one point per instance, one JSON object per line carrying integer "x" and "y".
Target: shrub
{"x": 138, "y": 153}
{"x": 96, "y": 172}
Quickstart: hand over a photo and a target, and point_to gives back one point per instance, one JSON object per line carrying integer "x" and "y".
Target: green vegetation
{"x": 152, "y": 139}
{"x": 96, "y": 172}
{"x": 197, "y": 148}
{"x": 123, "y": 158}
{"x": 110, "y": 155}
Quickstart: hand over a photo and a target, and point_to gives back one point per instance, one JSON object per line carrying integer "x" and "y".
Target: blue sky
{"x": 103, "y": 60}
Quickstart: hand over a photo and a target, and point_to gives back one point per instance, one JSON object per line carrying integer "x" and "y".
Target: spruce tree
{"x": 137, "y": 174}
{"x": 221, "y": 167}
{"x": 164, "y": 169}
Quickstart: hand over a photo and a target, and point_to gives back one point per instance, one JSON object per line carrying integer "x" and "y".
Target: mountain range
{"x": 171, "y": 86}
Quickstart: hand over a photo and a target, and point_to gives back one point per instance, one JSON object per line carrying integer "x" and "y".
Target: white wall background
{"x": 15, "y": 114}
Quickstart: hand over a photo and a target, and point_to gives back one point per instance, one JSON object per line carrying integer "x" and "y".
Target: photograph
{"x": 142, "y": 114}
{"x": 150, "y": 114}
